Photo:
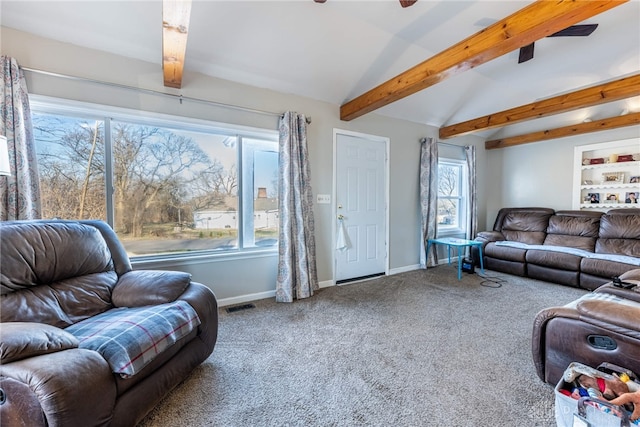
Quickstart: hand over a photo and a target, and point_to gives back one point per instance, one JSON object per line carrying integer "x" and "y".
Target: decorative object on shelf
{"x": 631, "y": 197}
{"x": 613, "y": 158}
{"x": 636, "y": 156}
{"x": 634, "y": 180}
{"x": 593, "y": 197}
{"x": 587, "y": 182}
{"x": 596, "y": 161}
{"x": 625, "y": 158}
{"x": 612, "y": 177}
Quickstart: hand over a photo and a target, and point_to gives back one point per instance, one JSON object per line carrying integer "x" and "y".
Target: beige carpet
{"x": 413, "y": 349}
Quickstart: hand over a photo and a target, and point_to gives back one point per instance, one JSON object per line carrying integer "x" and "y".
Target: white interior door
{"x": 361, "y": 201}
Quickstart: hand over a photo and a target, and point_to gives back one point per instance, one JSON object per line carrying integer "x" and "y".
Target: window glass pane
{"x": 265, "y": 184}
{"x": 71, "y": 165}
{"x": 174, "y": 190}
{"x": 176, "y": 185}
{"x": 449, "y": 180}
{"x": 448, "y": 212}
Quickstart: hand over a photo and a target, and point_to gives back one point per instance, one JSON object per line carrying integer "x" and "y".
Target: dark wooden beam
{"x": 594, "y": 95}
{"x": 595, "y": 126}
{"x": 535, "y": 21}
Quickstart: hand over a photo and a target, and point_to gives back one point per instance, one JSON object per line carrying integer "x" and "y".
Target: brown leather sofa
{"x": 59, "y": 275}
{"x": 602, "y": 326}
{"x": 575, "y": 248}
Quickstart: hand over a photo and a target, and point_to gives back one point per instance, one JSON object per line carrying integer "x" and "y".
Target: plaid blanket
{"x": 130, "y": 338}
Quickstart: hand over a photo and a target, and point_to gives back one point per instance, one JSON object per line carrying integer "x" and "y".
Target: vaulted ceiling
{"x": 339, "y": 50}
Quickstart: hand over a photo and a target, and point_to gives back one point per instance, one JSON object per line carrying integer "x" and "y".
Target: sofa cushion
{"x": 61, "y": 304}
{"x": 56, "y": 273}
{"x": 130, "y": 338}
{"x": 551, "y": 259}
{"x": 19, "y": 340}
{"x": 508, "y": 253}
{"x": 45, "y": 253}
{"x": 574, "y": 231}
{"x": 603, "y": 267}
{"x": 138, "y": 288}
{"x": 525, "y": 227}
{"x": 619, "y": 234}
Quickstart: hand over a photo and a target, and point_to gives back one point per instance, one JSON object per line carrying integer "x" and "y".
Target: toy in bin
{"x": 602, "y": 397}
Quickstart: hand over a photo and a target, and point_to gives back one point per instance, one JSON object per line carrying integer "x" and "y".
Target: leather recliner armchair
{"x": 57, "y": 275}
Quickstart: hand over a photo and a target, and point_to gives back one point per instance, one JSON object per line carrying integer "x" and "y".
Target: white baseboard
{"x": 271, "y": 294}
{"x": 404, "y": 269}
{"x": 246, "y": 298}
{"x": 326, "y": 283}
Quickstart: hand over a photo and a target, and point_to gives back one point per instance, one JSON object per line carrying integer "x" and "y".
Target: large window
{"x": 166, "y": 186}
{"x": 451, "y": 197}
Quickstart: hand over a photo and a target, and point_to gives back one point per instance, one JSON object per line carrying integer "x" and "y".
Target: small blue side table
{"x": 457, "y": 243}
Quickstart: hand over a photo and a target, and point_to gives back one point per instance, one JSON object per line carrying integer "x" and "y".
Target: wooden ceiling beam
{"x": 533, "y": 22}
{"x": 175, "y": 30}
{"x": 595, "y": 95}
{"x": 581, "y": 128}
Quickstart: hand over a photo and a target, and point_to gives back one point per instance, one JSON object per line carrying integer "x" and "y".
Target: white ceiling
{"x": 340, "y": 49}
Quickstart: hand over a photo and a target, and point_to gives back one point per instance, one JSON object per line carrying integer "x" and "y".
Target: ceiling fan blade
{"x": 407, "y": 3}
{"x": 576, "y": 30}
{"x": 526, "y": 53}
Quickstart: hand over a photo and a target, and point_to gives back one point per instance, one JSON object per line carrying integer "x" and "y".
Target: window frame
{"x": 94, "y": 111}
{"x": 463, "y": 196}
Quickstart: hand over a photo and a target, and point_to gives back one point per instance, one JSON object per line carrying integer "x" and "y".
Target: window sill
{"x": 150, "y": 262}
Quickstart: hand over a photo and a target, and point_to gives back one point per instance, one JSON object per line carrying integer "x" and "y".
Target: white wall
{"x": 539, "y": 174}
{"x": 236, "y": 276}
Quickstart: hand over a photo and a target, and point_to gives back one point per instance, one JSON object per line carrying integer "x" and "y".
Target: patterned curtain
{"x": 20, "y": 192}
{"x": 428, "y": 198}
{"x": 472, "y": 205}
{"x": 297, "y": 274}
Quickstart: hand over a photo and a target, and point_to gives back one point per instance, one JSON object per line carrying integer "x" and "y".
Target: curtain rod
{"x": 451, "y": 145}
{"x": 423, "y": 140}
{"x": 155, "y": 92}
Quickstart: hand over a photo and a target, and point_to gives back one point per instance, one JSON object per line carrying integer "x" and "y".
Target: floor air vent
{"x": 240, "y": 308}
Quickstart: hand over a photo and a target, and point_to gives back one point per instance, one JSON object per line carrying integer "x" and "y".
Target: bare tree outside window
{"x": 173, "y": 190}
{"x": 448, "y": 194}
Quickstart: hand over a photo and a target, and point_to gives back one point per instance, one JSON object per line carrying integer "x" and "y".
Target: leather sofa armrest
{"x": 632, "y": 294}
{"x": 72, "y": 387}
{"x": 21, "y": 340}
{"x": 489, "y": 236}
{"x": 138, "y": 288}
{"x": 539, "y": 331}
{"x": 204, "y": 302}
{"x": 631, "y": 276}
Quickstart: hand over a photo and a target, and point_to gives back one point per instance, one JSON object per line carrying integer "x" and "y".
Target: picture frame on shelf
{"x": 593, "y": 198}
{"x": 631, "y": 197}
{"x": 611, "y": 198}
{"x": 634, "y": 179}
{"x": 612, "y": 177}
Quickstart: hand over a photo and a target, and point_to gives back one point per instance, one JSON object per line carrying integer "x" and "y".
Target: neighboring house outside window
{"x": 452, "y": 198}
{"x": 166, "y": 185}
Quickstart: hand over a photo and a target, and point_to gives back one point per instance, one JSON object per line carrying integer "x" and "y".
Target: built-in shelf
{"x": 615, "y": 165}
{"x": 611, "y": 178}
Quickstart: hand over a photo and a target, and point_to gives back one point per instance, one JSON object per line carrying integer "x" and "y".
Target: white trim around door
{"x": 337, "y": 133}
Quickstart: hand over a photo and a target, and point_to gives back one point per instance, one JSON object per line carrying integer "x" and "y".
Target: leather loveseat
{"x": 575, "y": 248}
{"x": 601, "y": 326}
{"x": 84, "y": 339}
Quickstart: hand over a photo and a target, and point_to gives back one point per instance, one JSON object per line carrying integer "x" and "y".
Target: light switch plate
{"x": 323, "y": 199}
